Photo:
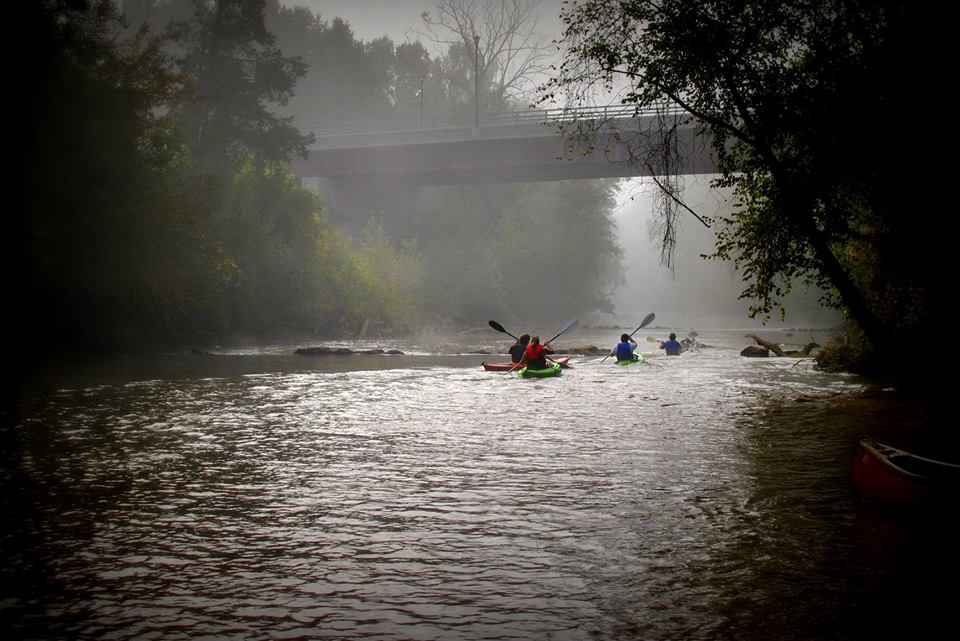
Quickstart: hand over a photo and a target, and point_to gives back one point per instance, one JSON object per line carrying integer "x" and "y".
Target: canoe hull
{"x": 892, "y": 475}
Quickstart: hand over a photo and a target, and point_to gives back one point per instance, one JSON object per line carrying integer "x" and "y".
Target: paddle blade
{"x": 566, "y": 328}
{"x": 570, "y": 325}
{"x": 497, "y": 326}
{"x": 646, "y": 321}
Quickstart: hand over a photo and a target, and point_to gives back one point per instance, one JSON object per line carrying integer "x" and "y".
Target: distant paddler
{"x": 671, "y": 345}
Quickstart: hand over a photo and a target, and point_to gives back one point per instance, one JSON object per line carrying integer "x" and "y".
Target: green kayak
{"x": 552, "y": 369}
{"x": 637, "y": 358}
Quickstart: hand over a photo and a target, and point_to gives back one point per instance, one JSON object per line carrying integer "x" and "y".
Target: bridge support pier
{"x": 353, "y": 201}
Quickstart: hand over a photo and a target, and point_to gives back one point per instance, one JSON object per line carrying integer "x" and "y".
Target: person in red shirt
{"x": 535, "y": 356}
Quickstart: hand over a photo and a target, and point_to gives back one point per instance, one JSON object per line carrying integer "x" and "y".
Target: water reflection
{"x": 699, "y": 497}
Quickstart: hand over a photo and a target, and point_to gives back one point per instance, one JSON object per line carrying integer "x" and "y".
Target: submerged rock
{"x": 341, "y": 351}
{"x": 583, "y": 350}
{"x": 755, "y": 351}
{"x": 323, "y": 351}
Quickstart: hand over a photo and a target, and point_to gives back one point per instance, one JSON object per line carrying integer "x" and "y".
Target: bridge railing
{"x": 504, "y": 118}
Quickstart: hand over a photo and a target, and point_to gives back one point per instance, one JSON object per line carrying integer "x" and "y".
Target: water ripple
{"x": 655, "y": 501}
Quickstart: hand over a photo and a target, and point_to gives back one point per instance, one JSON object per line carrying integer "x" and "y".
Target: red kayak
{"x": 505, "y": 367}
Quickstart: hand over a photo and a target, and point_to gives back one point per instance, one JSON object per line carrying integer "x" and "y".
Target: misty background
{"x": 695, "y": 292}
{"x": 159, "y": 208}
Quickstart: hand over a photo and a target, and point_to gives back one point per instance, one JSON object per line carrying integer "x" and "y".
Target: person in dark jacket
{"x": 517, "y": 349}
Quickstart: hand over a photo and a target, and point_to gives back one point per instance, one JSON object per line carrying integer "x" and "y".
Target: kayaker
{"x": 672, "y": 346}
{"x": 516, "y": 350}
{"x": 535, "y": 355}
{"x": 624, "y": 349}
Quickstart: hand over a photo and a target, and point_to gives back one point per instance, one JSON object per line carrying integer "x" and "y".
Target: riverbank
{"x": 916, "y": 423}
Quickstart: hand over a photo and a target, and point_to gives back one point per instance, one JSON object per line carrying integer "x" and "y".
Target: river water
{"x": 254, "y": 494}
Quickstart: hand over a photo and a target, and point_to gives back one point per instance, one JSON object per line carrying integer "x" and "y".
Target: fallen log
{"x": 803, "y": 351}
{"x": 773, "y": 347}
{"x": 776, "y": 349}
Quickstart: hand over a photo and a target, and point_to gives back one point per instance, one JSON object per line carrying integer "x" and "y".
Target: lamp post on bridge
{"x": 476, "y": 80}
{"x": 422, "y": 78}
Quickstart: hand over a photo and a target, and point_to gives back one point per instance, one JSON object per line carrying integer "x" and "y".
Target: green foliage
{"x": 453, "y": 231}
{"x": 122, "y": 244}
{"x": 392, "y": 279}
{"x": 275, "y": 233}
{"x": 472, "y": 250}
{"x": 769, "y": 252}
{"x": 559, "y": 254}
{"x": 796, "y": 99}
{"x": 94, "y": 208}
{"x": 852, "y": 355}
{"x": 414, "y": 72}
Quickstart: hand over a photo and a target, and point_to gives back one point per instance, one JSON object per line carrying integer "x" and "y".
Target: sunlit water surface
{"x": 259, "y": 495}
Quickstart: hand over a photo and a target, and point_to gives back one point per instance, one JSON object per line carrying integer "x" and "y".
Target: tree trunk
{"x": 773, "y": 347}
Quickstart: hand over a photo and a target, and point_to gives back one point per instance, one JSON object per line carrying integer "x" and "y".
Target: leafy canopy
{"x": 797, "y": 101}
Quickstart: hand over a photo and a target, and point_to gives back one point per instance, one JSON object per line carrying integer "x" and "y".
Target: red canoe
{"x": 893, "y": 475}
{"x": 505, "y": 367}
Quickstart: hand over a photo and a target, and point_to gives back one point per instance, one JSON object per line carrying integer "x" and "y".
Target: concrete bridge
{"x": 364, "y": 170}
{"x": 527, "y": 146}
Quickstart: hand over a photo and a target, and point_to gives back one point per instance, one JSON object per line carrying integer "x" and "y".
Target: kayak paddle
{"x": 497, "y": 326}
{"x": 566, "y": 328}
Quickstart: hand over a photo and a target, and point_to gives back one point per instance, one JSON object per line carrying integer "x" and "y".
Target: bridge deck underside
{"x": 480, "y": 161}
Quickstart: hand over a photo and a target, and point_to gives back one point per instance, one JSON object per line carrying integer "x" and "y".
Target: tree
{"x": 119, "y": 243}
{"x": 794, "y": 98}
{"x": 393, "y": 277}
{"x": 528, "y": 251}
{"x": 417, "y": 86}
{"x": 508, "y": 52}
{"x": 535, "y": 236}
{"x": 345, "y": 78}
{"x": 155, "y": 15}
{"x": 102, "y": 248}
{"x": 240, "y": 76}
